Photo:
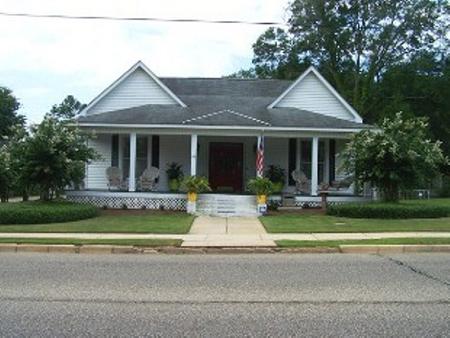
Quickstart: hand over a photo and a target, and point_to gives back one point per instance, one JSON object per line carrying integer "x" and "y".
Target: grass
{"x": 385, "y": 241}
{"x": 307, "y": 223}
{"x": 116, "y": 222}
{"x": 76, "y": 241}
{"x": 298, "y": 223}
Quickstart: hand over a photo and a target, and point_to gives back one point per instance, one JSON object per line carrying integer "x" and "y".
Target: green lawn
{"x": 306, "y": 223}
{"x": 76, "y": 241}
{"x": 334, "y": 244}
{"x": 116, "y": 222}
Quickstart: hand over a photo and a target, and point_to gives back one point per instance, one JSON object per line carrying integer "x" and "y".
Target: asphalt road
{"x": 224, "y": 295}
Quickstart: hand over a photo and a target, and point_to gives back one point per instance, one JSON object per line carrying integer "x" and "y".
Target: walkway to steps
{"x": 210, "y": 231}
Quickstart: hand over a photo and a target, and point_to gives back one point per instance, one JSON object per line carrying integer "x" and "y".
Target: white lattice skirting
{"x": 316, "y": 201}
{"x": 124, "y": 200}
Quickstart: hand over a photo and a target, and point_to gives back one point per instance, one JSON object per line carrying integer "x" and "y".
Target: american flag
{"x": 260, "y": 157}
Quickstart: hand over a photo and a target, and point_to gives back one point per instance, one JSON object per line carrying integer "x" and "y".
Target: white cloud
{"x": 43, "y": 60}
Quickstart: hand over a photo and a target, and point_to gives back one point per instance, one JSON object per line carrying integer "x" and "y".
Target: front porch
{"x": 228, "y": 162}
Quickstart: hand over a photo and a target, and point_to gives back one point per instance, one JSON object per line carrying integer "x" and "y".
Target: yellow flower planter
{"x": 261, "y": 199}
{"x": 192, "y": 196}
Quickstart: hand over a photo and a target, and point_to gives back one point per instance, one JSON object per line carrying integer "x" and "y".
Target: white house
{"x": 210, "y": 126}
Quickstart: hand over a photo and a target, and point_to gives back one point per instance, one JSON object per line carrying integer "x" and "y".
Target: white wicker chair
{"x": 115, "y": 178}
{"x": 302, "y": 183}
{"x": 147, "y": 181}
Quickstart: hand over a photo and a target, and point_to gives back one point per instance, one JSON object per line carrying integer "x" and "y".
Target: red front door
{"x": 226, "y": 166}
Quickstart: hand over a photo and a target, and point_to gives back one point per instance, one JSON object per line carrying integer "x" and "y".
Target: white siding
{"x": 173, "y": 148}
{"x": 96, "y": 170}
{"x": 136, "y": 90}
{"x": 311, "y": 94}
{"x": 276, "y": 153}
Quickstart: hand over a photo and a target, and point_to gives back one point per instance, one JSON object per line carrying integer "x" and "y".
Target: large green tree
{"x": 382, "y": 56}
{"x": 55, "y": 156}
{"x": 352, "y": 42}
{"x": 419, "y": 88}
{"x": 67, "y": 109}
{"x": 9, "y": 117}
{"x": 396, "y": 156}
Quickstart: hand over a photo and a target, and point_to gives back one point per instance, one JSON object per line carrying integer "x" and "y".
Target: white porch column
{"x": 315, "y": 166}
{"x": 132, "y": 174}
{"x": 194, "y": 154}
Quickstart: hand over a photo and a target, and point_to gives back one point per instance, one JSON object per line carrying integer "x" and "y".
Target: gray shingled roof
{"x": 222, "y": 102}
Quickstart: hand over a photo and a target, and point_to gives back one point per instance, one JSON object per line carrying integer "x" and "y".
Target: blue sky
{"x": 43, "y": 60}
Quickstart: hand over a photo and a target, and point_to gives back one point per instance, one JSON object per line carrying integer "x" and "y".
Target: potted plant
{"x": 175, "y": 175}
{"x": 194, "y": 185}
{"x": 261, "y": 187}
{"x": 277, "y": 176}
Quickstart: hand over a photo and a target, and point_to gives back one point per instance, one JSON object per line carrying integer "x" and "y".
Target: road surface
{"x": 224, "y": 295}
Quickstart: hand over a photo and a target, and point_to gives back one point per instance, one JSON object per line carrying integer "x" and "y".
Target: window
{"x": 141, "y": 155}
{"x": 306, "y": 153}
{"x": 292, "y": 159}
{"x": 115, "y": 151}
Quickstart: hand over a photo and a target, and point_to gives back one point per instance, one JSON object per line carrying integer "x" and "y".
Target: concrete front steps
{"x": 225, "y": 205}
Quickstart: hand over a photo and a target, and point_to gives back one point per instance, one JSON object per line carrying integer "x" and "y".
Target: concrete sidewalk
{"x": 232, "y": 232}
{"x": 187, "y": 237}
{"x": 209, "y": 231}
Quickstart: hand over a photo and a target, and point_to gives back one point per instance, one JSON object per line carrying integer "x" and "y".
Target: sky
{"x": 44, "y": 60}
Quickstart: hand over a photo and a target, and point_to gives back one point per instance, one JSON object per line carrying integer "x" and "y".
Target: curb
{"x": 122, "y": 249}
{"x": 403, "y": 248}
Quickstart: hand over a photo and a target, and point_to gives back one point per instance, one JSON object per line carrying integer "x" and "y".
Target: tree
{"x": 12, "y": 176}
{"x": 419, "y": 88}
{"x": 6, "y": 175}
{"x": 55, "y": 156}
{"x": 398, "y": 156}
{"x": 352, "y": 43}
{"x": 67, "y": 109}
{"x": 8, "y": 112}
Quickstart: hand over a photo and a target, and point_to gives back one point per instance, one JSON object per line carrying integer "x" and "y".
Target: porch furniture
{"x": 147, "y": 181}
{"x": 115, "y": 178}
{"x": 346, "y": 186}
{"x": 302, "y": 183}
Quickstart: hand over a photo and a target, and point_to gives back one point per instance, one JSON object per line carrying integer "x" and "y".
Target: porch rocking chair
{"x": 302, "y": 183}
{"x": 147, "y": 181}
{"x": 115, "y": 178}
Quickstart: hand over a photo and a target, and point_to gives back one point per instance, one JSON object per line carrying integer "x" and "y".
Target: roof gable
{"x": 312, "y": 92}
{"x": 136, "y": 87}
{"x": 225, "y": 117}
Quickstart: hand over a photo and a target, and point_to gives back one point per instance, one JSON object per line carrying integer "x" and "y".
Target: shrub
{"x": 273, "y": 205}
{"x": 388, "y": 210}
{"x": 174, "y": 171}
{"x": 44, "y": 212}
{"x": 260, "y": 186}
{"x": 195, "y": 184}
{"x": 276, "y": 174}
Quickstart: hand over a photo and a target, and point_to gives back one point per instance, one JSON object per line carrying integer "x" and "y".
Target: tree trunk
{"x": 45, "y": 195}
{"x": 391, "y": 193}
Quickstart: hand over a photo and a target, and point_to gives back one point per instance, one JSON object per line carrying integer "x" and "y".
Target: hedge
{"x": 388, "y": 210}
{"x": 37, "y": 212}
